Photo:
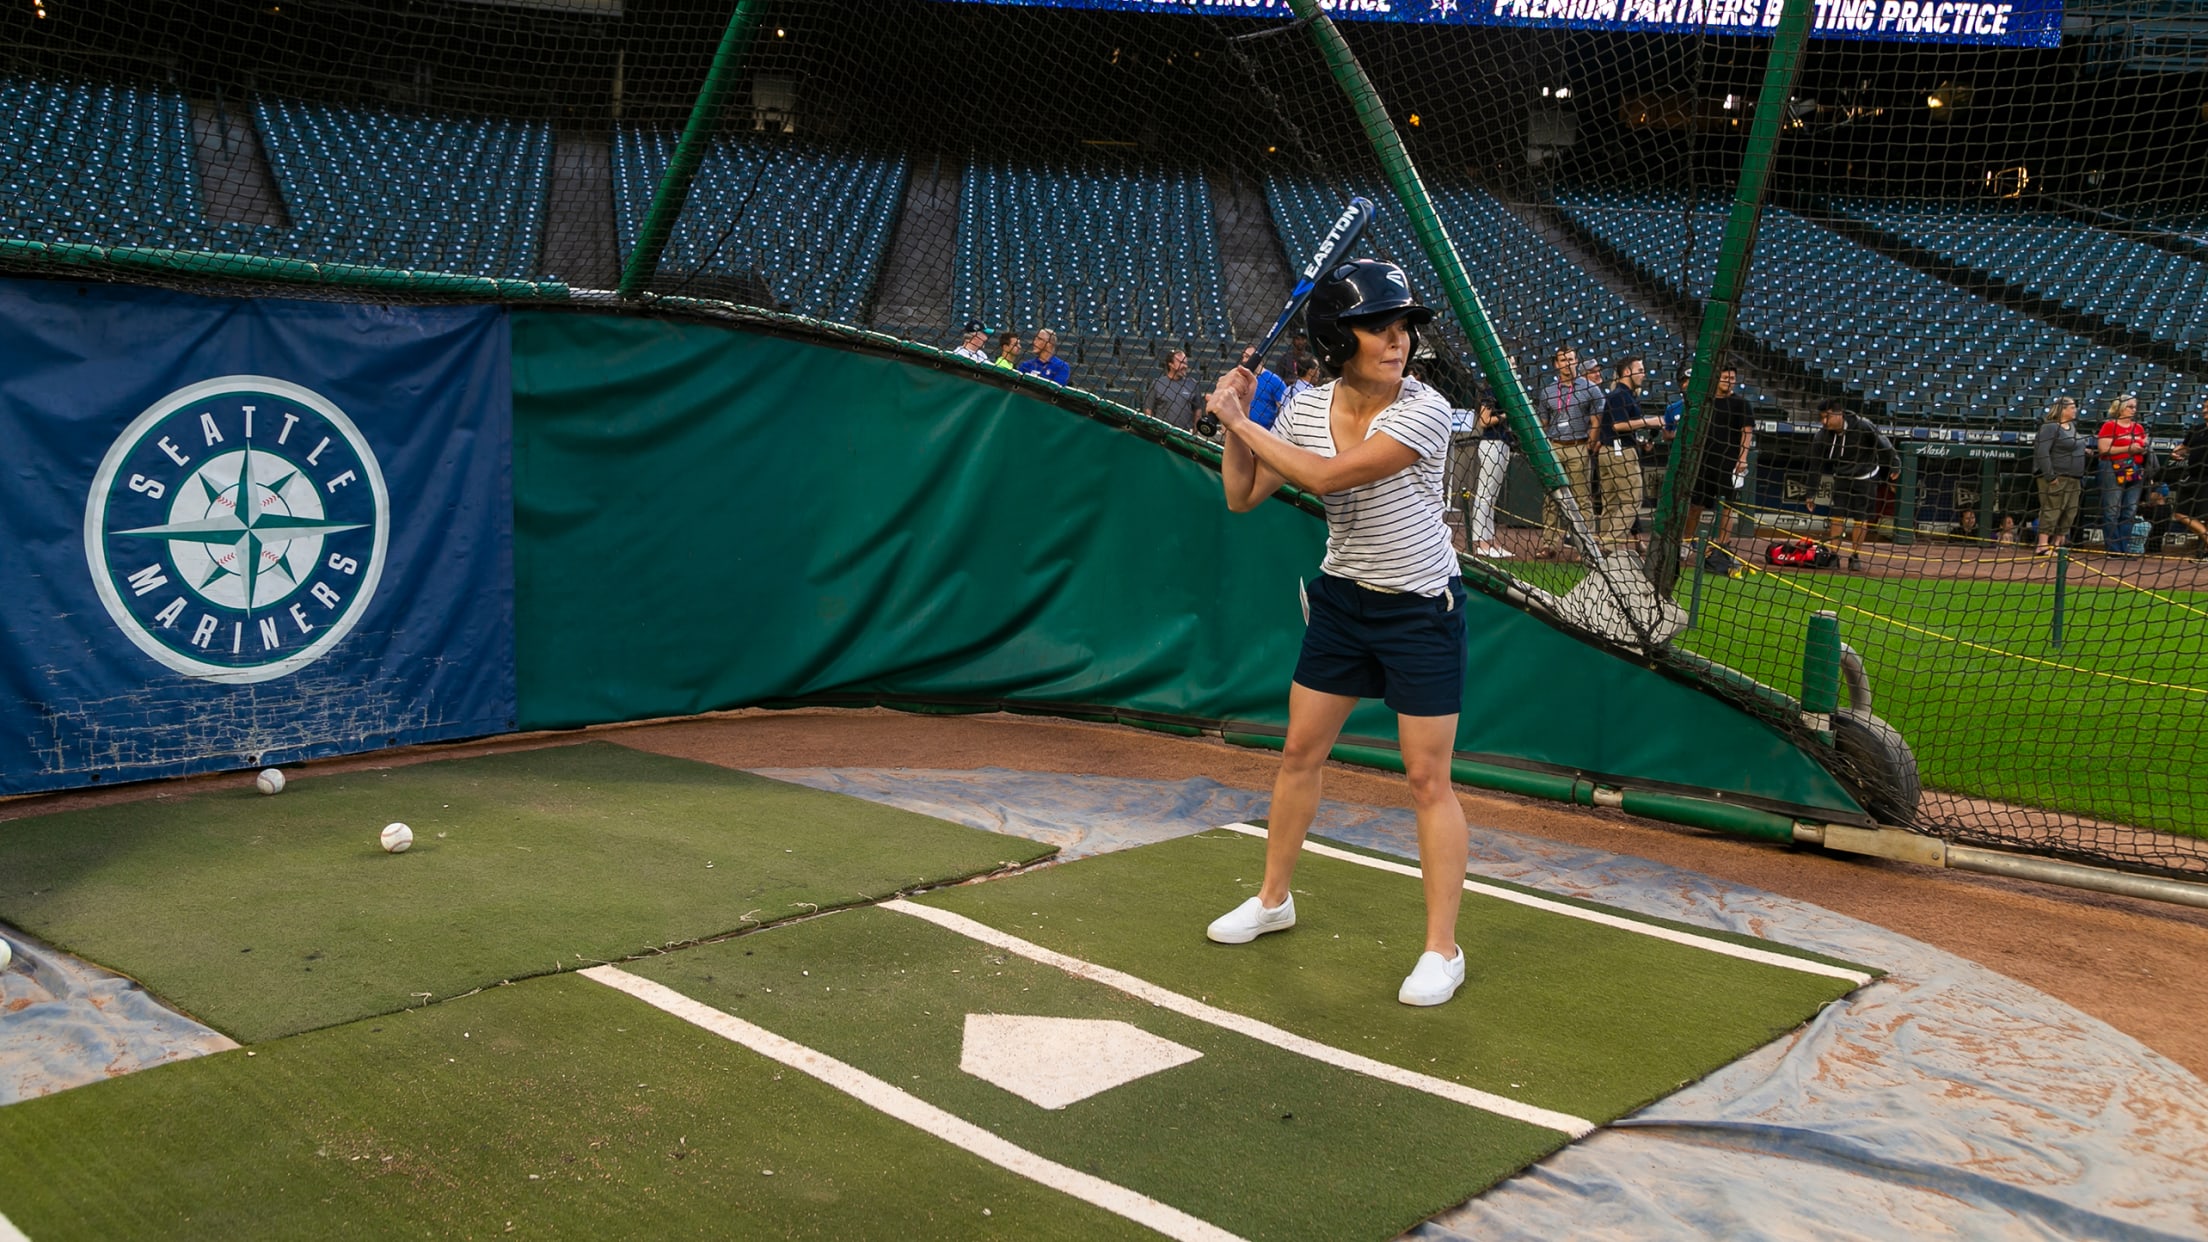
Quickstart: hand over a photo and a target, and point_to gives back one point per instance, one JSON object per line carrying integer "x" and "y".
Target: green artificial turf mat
{"x": 556, "y": 1107}
{"x": 267, "y": 916}
{"x": 1259, "y": 1141}
{"x": 1555, "y": 1011}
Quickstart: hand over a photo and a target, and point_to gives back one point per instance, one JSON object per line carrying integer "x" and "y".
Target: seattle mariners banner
{"x": 1982, "y": 23}
{"x": 246, "y": 532}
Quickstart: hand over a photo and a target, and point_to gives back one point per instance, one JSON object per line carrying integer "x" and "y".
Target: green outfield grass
{"x": 2003, "y": 714}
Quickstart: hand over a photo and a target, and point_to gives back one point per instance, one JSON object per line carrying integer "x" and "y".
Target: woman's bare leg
{"x": 1314, "y": 721}
{"x": 1429, "y": 743}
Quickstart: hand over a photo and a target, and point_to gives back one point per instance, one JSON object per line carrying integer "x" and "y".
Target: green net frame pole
{"x": 1434, "y": 240}
{"x": 1788, "y": 43}
{"x": 212, "y": 265}
{"x": 705, "y": 114}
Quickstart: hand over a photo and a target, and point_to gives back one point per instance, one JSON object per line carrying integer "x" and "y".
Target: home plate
{"x": 1057, "y": 1061}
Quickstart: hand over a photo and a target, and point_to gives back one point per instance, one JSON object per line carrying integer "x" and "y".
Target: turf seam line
{"x": 1263, "y": 1032}
{"x": 1728, "y": 949}
{"x": 912, "y": 1110}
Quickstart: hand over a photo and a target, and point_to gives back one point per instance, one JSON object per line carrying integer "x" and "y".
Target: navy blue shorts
{"x": 1407, "y": 650}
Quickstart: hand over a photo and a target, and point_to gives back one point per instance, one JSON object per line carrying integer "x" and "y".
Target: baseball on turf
{"x": 6, "y": 955}
{"x": 270, "y": 781}
{"x": 396, "y": 837}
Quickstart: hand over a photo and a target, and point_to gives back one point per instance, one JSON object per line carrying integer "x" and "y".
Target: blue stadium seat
{"x": 1092, "y": 251}
{"x": 2088, "y": 270}
{"x": 812, "y": 222}
{"x": 398, "y": 189}
{"x": 1926, "y": 349}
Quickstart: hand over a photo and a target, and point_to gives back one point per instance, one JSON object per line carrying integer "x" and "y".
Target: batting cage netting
{"x": 1840, "y": 357}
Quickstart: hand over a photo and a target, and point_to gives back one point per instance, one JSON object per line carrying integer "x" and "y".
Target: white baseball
{"x": 270, "y": 781}
{"x": 6, "y": 955}
{"x": 396, "y": 837}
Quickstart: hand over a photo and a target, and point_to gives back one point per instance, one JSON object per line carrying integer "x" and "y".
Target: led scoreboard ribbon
{"x": 1990, "y": 23}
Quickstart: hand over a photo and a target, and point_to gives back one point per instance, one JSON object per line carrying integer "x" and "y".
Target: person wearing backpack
{"x": 2125, "y": 465}
{"x": 1854, "y": 452}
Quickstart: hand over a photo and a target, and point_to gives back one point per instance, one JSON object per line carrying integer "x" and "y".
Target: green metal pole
{"x": 207, "y": 263}
{"x": 1905, "y": 498}
{"x": 1410, "y": 192}
{"x": 1780, "y": 71}
{"x": 674, "y": 188}
{"x": 1821, "y": 670}
{"x": 2062, "y": 582}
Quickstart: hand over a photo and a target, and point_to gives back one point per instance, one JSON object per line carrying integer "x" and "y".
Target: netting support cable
{"x": 674, "y": 187}
{"x": 1784, "y": 66}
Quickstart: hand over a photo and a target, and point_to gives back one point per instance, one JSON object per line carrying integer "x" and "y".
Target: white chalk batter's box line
{"x": 896, "y": 1102}
{"x": 1711, "y": 944}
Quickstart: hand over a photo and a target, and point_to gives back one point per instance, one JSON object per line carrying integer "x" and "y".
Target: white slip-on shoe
{"x": 1433, "y": 980}
{"x": 1251, "y": 919}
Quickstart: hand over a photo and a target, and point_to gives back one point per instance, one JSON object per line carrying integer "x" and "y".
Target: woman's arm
{"x": 1247, "y": 481}
{"x": 1377, "y": 457}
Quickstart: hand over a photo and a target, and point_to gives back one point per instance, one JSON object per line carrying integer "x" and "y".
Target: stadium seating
{"x": 1092, "y": 252}
{"x": 1535, "y": 296}
{"x": 400, "y": 189}
{"x": 98, "y": 163}
{"x": 2089, "y": 270}
{"x": 808, "y": 223}
{"x": 1919, "y": 348}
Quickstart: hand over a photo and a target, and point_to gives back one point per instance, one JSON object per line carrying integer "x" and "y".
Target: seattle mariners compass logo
{"x": 236, "y": 530}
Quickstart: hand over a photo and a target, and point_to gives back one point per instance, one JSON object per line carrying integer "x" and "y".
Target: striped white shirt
{"x": 1388, "y": 533}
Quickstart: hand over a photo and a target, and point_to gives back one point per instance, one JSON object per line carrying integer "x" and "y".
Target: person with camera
{"x": 1619, "y": 436}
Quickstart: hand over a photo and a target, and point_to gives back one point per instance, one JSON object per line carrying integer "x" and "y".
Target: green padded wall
{"x": 708, "y": 516}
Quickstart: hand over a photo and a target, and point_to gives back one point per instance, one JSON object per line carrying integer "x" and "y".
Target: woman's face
{"x": 2127, "y": 411}
{"x": 2068, "y": 413}
{"x": 1382, "y": 353}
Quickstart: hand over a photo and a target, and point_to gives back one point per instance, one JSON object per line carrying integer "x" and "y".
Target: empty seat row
{"x": 1088, "y": 249}
{"x": 1919, "y": 349}
{"x": 808, "y": 224}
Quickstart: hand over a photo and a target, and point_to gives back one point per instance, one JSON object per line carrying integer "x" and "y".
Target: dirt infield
{"x": 2133, "y": 964}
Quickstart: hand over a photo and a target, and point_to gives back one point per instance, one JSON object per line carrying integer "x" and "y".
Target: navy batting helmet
{"x": 1361, "y": 291}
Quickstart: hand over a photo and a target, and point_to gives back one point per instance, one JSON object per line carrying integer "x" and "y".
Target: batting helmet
{"x": 1361, "y": 291}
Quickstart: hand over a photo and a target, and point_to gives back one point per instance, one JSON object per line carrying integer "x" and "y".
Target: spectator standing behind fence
{"x": 1174, "y": 395}
{"x": 1307, "y": 378}
{"x": 1046, "y": 362}
{"x": 2059, "y": 455}
{"x": 1570, "y": 405}
{"x": 1618, "y": 438}
{"x": 971, "y": 342}
{"x": 2123, "y": 444}
{"x": 1496, "y": 444}
{"x": 1723, "y": 466}
{"x": 1851, "y": 448}
{"x": 1008, "y": 351}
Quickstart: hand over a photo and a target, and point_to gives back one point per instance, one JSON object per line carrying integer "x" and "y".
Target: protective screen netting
{"x": 1954, "y": 238}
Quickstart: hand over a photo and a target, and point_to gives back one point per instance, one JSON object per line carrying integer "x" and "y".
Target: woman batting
{"x": 1386, "y": 613}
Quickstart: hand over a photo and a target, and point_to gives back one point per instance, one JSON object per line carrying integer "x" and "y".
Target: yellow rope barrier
{"x": 1899, "y": 624}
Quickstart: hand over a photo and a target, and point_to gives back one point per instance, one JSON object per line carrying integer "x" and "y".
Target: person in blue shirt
{"x": 1046, "y": 362}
